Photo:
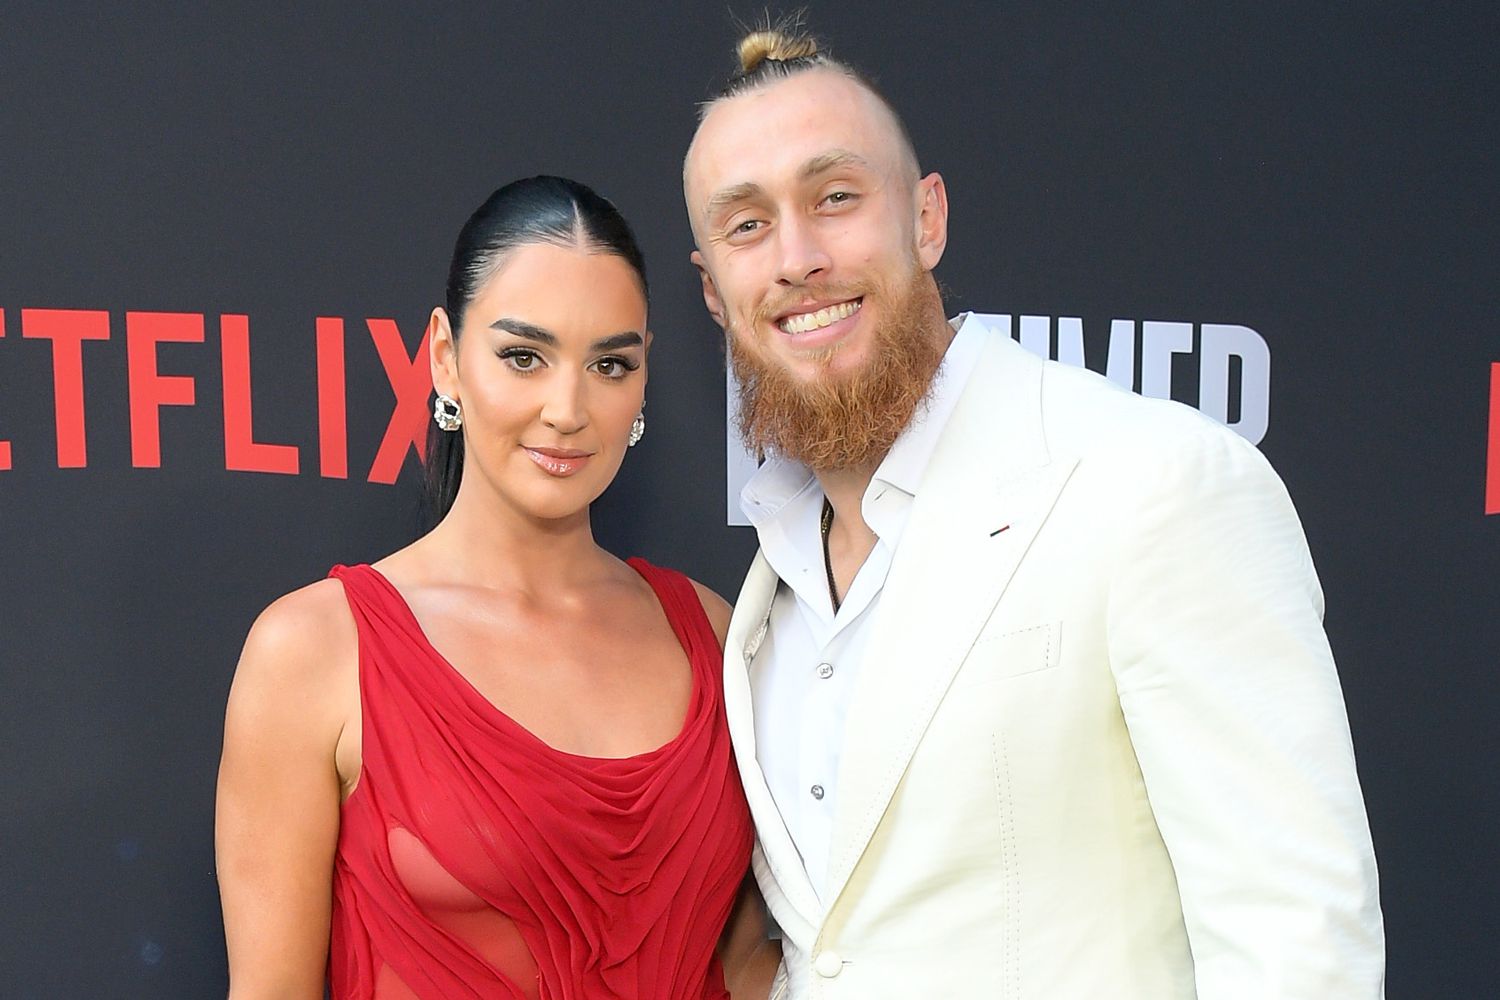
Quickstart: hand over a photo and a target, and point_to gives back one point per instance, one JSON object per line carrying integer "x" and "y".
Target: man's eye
{"x": 748, "y": 226}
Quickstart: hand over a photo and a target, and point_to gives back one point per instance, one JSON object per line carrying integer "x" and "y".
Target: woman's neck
{"x": 490, "y": 543}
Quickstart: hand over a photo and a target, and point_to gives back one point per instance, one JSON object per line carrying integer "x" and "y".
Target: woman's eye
{"x": 521, "y": 360}
{"x": 613, "y": 367}
{"x": 838, "y": 197}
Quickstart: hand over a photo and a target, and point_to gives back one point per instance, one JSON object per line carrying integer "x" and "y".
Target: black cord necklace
{"x": 824, "y": 524}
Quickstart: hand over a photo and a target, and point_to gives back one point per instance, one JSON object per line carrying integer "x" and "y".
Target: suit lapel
{"x": 989, "y": 486}
{"x": 746, "y": 630}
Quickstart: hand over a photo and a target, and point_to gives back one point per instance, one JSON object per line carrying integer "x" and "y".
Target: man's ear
{"x": 932, "y": 220}
{"x": 442, "y": 353}
{"x": 710, "y": 290}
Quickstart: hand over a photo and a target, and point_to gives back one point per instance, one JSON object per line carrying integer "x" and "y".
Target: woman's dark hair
{"x": 535, "y": 210}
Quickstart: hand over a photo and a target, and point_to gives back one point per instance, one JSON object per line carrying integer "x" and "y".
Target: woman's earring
{"x": 446, "y": 413}
{"x": 638, "y": 428}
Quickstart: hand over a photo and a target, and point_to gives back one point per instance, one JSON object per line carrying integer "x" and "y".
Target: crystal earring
{"x": 446, "y": 413}
{"x": 638, "y": 428}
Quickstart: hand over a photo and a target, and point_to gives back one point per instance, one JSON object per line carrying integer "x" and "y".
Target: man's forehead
{"x": 777, "y": 130}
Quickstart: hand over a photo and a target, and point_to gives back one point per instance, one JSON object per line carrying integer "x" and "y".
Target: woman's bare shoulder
{"x": 302, "y": 644}
{"x": 717, "y": 609}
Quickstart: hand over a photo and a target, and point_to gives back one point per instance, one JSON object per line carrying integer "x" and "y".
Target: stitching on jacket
{"x": 1048, "y": 628}
{"x": 1047, "y": 662}
{"x": 892, "y": 777}
{"x": 1010, "y": 871}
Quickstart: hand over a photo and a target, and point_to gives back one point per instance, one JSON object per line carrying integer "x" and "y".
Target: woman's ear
{"x": 442, "y": 353}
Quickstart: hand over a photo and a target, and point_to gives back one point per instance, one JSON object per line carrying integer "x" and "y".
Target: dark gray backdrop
{"x": 1327, "y": 180}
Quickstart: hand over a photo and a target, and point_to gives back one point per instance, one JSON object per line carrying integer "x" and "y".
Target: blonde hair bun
{"x": 758, "y": 46}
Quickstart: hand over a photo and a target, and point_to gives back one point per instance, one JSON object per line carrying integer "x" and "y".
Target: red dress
{"x": 474, "y": 860}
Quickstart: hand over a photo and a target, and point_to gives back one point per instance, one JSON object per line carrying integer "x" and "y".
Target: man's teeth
{"x": 808, "y": 322}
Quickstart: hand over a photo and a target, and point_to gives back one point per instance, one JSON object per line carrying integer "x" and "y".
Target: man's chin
{"x": 841, "y": 362}
{"x": 839, "y": 414}
{"x": 841, "y": 407}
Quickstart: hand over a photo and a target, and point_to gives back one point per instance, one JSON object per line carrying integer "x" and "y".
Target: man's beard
{"x": 844, "y": 420}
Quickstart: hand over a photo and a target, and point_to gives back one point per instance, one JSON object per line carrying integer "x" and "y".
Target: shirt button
{"x": 828, "y": 964}
{"x": 825, "y": 670}
{"x": 817, "y": 791}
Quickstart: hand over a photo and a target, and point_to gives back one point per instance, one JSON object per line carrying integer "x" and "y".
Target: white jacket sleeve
{"x": 1233, "y": 706}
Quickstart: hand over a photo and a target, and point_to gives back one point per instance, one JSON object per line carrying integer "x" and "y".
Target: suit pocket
{"x": 1011, "y": 654}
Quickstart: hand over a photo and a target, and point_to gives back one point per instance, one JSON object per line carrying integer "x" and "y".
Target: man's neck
{"x": 848, "y": 540}
{"x": 845, "y": 490}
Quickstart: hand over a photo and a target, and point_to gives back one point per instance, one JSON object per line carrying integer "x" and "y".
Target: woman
{"x": 494, "y": 763}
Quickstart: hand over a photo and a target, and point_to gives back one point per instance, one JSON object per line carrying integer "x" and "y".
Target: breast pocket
{"x": 1010, "y": 654}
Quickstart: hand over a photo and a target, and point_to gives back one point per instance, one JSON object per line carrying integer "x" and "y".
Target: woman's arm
{"x": 277, "y": 815}
{"x": 750, "y": 958}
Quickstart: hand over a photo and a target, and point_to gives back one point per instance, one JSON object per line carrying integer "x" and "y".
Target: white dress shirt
{"x": 803, "y": 675}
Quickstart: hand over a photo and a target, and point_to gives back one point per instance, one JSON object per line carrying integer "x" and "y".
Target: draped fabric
{"x": 474, "y": 860}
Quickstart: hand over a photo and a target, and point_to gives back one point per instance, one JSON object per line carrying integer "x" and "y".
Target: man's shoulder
{"x": 1088, "y": 407}
{"x": 1144, "y": 447}
{"x": 1076, "y": 400}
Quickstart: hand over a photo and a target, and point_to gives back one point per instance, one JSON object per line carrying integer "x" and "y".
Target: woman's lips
{"x": 560, "y": 462}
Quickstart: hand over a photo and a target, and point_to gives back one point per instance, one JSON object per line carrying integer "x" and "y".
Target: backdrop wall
{"x": 221, "y": 233}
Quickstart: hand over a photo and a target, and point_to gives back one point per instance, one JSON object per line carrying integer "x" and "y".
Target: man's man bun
{"x": 758, "y": 46}
{"x": 777, "y": 50}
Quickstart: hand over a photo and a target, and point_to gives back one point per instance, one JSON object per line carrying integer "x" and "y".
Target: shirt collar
{"x": 779, "y": 481}
{"x": 906, "y": 463}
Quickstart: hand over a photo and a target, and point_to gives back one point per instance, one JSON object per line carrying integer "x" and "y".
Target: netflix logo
{"x": 150, "y": 390}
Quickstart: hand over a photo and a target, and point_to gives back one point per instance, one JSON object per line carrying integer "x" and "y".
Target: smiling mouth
{"x": 827, "y": 316}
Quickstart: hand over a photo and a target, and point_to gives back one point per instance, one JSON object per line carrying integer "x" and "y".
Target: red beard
{"x": 847, "y": 420}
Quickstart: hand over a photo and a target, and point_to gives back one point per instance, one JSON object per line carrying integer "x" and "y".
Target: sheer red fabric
{"x": 474, "y": 860}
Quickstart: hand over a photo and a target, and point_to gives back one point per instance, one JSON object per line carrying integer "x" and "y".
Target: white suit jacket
{"x": 1098, "y": 749}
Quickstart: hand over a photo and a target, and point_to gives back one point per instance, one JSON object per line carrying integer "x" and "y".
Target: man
{"x": 1028, "y": 682}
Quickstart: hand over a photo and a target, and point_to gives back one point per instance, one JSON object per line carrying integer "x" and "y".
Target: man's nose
{"x": 565, "y": 407}
{"x": 802, "y": 252}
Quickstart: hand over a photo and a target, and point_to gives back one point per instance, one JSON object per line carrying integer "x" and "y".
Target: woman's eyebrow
{"x": 521, "y": 328}
{"x": 615, "y": 341}
{"x": 530, "y": 331}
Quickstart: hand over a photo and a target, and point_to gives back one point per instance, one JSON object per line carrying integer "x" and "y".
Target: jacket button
{"x": 828, "y": 964}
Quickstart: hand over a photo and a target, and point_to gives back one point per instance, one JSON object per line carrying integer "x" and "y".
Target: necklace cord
{"x": 825, "y": 523}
